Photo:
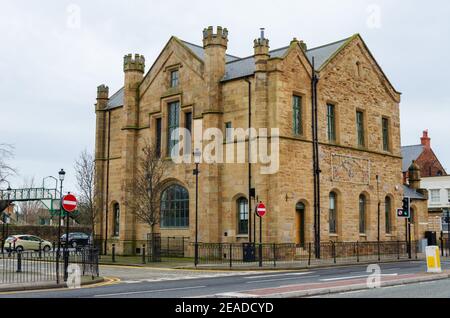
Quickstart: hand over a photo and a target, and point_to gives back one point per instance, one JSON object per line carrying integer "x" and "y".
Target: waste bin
{"x": 431, "y": 238}
{"x": 249, "y": 252}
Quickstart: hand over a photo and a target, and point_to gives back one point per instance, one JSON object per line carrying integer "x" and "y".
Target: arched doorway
{"x": 300, "y": 224}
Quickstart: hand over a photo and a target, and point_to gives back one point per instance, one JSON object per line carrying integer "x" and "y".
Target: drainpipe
{"x": 107, "y": 183}
{"x": 249, "y": 161}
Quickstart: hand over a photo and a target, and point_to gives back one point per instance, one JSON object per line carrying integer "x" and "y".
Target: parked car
{"x": 76, "y": 239}
{"x": 21, "y": 243}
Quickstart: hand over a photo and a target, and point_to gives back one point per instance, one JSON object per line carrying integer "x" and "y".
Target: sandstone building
{"x": 359, "y": 149}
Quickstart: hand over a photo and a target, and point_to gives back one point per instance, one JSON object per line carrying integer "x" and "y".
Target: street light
{"x": 197, "y": 158}
{"x": 62, "y": 175}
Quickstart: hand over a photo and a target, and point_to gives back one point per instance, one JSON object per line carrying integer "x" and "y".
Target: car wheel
{"x": 19, "y": 249}
{"x": 74, "y": 244}
{"x": 47, "y": 249}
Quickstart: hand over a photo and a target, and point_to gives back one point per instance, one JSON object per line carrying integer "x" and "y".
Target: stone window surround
{"x": 168, "y": 70}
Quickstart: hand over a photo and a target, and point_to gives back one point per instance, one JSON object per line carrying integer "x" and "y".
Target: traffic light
{"x": 406, "y": 208}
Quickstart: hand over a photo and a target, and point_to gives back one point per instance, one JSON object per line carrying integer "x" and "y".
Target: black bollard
{"x": 143, "y": 254}
{"x": 113, "y": 251}
{"x": 40, "y": 250}
{"x": 19, "y": 262}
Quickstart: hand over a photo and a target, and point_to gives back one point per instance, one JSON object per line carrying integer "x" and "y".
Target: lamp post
{"x": 197, "y": 158}
{"x": 61, "y": 174}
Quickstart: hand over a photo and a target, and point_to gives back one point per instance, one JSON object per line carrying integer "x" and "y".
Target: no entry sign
{"x": 69, "y": 203}
{"x": 261, "y": 210}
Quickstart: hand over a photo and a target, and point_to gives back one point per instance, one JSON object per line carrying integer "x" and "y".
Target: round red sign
{"x": 69, "y": 203}
{"x": 261, "y": 210}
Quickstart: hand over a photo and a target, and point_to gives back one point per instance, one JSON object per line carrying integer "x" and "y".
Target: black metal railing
{"x": 41, "y": 266}
{"x": 169, "y": 247}
{"x": 273, "y": 255}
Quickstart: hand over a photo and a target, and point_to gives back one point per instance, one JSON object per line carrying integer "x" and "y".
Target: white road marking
{"x": 278, "y": 275}
{"x": 279, "y": 279}
{"x": 150, "y": 291}
{"x": 353, "y": 277}
{"x": 236, "y": 295}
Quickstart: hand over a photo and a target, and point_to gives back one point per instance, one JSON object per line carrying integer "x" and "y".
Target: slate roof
{"x": 411, "y": 193}
{"x": 410, "y": 153}
{"x": 241, "y": 67}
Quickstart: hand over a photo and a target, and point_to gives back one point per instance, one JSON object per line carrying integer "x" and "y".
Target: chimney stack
{"x": 425, "y": 140}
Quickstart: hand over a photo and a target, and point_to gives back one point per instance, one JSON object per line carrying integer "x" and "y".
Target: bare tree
{"x": 6, "y": 170}
{"x": 85, "y": 174}
{"x": 148, "y": 186}
{"x": 30, "y": 209}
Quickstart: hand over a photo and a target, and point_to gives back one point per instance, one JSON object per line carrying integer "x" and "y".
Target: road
{"x": 160, "y": 283}
{"x": 437, "y": 289}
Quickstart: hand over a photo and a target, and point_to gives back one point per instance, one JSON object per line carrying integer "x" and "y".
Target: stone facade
{"x": 350, "y": 79}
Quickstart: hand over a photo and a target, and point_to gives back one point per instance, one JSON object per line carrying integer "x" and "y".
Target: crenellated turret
{"x": 134, "y": 64}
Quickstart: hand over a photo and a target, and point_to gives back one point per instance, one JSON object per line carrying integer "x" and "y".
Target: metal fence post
{"x": 398, "y": 249}
{"x": 309, "y": 254}
{"x": 357, "y": 252}
{"x": 379, "y": 253}
{"x": 143, "y": 254}
{"x": 3, "y": 246}
{"x": 333, "y": 247}
{"x": 274, "y": 255}
{"x": 113, "y": 251}
{"x": 19, "y": 262}
{"x": 40, "y": 250}
{"x": 9, "y": 250}
{"x": 260, "y": 255}
{"x": 231, "y": 255}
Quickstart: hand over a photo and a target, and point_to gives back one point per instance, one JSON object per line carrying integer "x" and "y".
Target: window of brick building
{"x": 116, "y": 225}
{"x": 331, "y": 123}
{"x": 174, "y": 78}
{"x": 360, "y": 128}
{"x": 173, "y": 123}
{"x": 297, "y": 113}
{"x": 175, "y": 207}
{"x": 435, "y": 196}
{"x": 242, "y": 211}
{"x": 385, "y": 124}
{"x": 388, "y": 214}
{"x": 333, "y": 213}
{"x": 158, "y": 134}
{"x": 362, "y": 214}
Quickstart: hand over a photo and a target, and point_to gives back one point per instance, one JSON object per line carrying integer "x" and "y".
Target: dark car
{"x": 76, "y": 239}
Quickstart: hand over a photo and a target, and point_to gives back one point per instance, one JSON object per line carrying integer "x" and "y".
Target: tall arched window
{"x": 362, "y": 214}
{"x": 175, "y": 207}
{"x": 242, "y": 215}
{"x": 388, "y": 214}
{"x": 333, "y": 213}
{"x": 116, "y": 225}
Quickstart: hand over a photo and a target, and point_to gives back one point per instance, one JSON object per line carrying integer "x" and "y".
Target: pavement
{"x": 137, "y": 282}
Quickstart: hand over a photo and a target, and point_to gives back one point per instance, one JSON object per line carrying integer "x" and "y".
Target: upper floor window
{"x": 158, "y": 134}
{"x": 297, "y": 113}
{"x": 385, "y": 127}
{"x": 242, "y": 211}
{"x": 331, "y": 123}
{"x": 174, "y": 78}
{"x": 435, "y": 196}
{"x": 173, "y": 124}
{"x": 360, "y": 128}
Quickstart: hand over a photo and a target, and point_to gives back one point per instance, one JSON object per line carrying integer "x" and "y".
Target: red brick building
{"x": 425, "y": 158}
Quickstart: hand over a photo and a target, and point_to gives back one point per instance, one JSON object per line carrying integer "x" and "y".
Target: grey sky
{"x": 55, "y": 53}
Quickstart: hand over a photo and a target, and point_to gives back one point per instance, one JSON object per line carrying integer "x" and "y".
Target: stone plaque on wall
{"x": 350, "y": 169}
